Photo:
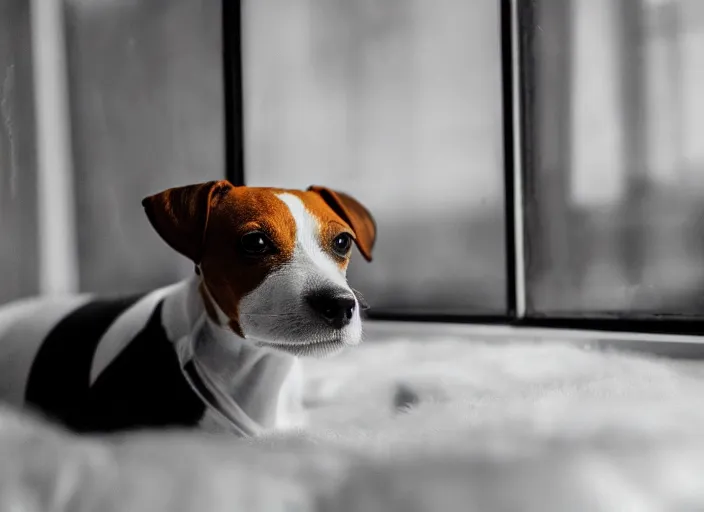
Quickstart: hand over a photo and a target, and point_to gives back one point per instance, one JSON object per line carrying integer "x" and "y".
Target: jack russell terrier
{"x": 216, "y": 351}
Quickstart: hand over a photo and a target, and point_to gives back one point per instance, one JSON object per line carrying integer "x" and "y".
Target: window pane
{"x": 18, "y": 171}
{"x": 616, "y": 177}
{"x": 147, "y": 114}
{"x": 399, "y": 104}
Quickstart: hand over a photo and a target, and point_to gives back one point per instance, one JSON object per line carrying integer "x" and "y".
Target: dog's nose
{"x": 336, "y": 309}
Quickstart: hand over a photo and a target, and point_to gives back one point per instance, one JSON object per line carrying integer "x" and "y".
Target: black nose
{"x": 335, "y": 308}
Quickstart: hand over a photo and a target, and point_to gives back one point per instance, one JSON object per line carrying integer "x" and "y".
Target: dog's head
{"x": 273, "y": 262}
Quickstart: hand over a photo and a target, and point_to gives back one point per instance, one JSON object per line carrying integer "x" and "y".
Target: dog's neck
{"x": 255, "y": 378}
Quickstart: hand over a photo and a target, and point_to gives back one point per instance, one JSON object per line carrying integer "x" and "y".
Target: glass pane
{"x": 616, "y": 177}
{"x": 18, "y": 171}
{"x": 147, "y": 114}
{"x": 399, "y": 104}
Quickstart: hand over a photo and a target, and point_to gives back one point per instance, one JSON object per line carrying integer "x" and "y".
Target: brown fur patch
{"x": 229, "y": 274}
{"x": 330, "y": 224}
{"x": 208, "y": 303}
{"x": 180, "y": 215}
{"x": 354, "y": 214}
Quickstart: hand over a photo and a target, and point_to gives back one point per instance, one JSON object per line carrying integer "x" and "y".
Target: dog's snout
{"x": 335, "y": 308}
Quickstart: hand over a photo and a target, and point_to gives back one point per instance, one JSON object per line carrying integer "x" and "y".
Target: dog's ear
{"x": 180, "y": 215}
{"x": 356, "y": 215}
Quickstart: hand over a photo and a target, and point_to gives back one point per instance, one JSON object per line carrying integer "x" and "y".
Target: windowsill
{"x": 668, "y": 345}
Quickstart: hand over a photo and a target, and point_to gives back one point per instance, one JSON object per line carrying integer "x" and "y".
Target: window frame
{"x": 233, "y": 94}
{"x": 517, "y": 29}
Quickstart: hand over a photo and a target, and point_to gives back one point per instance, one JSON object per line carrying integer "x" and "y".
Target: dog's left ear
{"x": 356, "y": 215}
{"x": 180, "y": 215}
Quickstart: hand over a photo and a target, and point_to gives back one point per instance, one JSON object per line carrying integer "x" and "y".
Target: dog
{"x": 219, "y": 350}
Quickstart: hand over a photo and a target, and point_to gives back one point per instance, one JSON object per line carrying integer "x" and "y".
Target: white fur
{"x": 276, "y": 311}
{"x": 261, "y": 384}
{"x": 290, "y": 413}
{"x": 308, "y": 252}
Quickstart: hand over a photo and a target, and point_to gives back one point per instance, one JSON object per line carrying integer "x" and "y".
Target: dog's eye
{"x": 256, "y": 243}
{"x": 342, "y": 243}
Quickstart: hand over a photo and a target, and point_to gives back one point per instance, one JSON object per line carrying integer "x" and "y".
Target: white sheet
{"x": 482, "y": 427}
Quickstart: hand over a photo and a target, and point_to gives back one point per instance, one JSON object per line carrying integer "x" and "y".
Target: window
{"x": 18, "y": 197}
{"x": 405, "y": 105}
{"x": 615, "y": 171}
{"x": 146, "y": 111}
{"x": 398, "y": 103}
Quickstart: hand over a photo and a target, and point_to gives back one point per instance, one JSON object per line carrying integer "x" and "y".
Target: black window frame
{"x": 517, "y": 32}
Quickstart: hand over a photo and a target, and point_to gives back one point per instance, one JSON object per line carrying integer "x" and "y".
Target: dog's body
{"x": 218, "y": 350}
{"x": 101, "y": 365}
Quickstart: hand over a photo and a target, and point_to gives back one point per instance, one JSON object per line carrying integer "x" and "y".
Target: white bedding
{"x": 480, "y": 426}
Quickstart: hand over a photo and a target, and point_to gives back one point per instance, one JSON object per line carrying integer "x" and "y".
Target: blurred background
{"x": 615, "y": 172}
{"x": 398, "y": 102}
{"x": 143, "y": 98}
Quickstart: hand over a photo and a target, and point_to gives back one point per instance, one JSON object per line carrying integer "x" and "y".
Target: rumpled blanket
{"x": 428, "y": 424}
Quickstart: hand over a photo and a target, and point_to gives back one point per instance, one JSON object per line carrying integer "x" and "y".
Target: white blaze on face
{"x": 308, "y": 251}
{"x": 277, "y": 311}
